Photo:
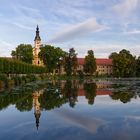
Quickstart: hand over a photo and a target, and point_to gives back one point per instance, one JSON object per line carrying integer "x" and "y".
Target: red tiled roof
{"x": 103, "y": 92}
{"x": 80, "y": 61}
{"x": 104, "y": 61}
{"x": 81, "y": 92}
{"x": 99, "y": 61}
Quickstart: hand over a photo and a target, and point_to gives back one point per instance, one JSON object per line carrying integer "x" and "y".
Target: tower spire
{"x": 37, "y": 37}
{"x": 37, "y": 116}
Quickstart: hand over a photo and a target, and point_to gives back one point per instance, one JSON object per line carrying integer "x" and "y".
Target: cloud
{"x": 90, "y": 124}
{"x": 65, "y": 21}
{"x": 18, "y": 126}
{"x": 27, "y": 17}
{"x": 23, "y": 26}
{"x": 132, "y": 32}
{"x": 5, "y": 48}
{"x": 136, "y": 118}
{"x": 125, "y": 8}
{"x": 78, "y": 30}
{"x": 103, "y": 50}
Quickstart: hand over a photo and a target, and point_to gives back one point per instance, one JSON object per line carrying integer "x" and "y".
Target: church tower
{"x": 36, "y": 105}
{"x": 36, "y": 49}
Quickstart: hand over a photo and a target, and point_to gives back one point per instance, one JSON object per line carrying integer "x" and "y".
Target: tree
{"x": 124, "y": 64}
{"x": 90, "y": 92}
{"x": 10, "y": 66}
{"x": 51, "y": 99}
{"x": 123, "y": 96}
{"x": 138, "y": 67}
{"x": 90, "y": 63}
{"x": 70, "y": 92}
{"x": 25, "y": 104}
{"x": 23, "y": 53}
{"x": 70, "y": 62}
{"x": 113, "y": 55}
{"x": 51, "y": 56}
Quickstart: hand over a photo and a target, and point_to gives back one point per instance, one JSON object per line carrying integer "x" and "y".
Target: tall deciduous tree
{"x": 50, "y": 56}
{"x": 23, "y": 53}
{"x": 70, "y": 92}
{"x": 90, "y": 92}
{"x": 138, "y": 67}
{"x": 70, "y": 62}
{"x": 90, "y": 63}
{"x": 124, "y": 64}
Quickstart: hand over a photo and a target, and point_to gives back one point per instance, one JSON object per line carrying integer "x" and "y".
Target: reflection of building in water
{"x": 102, "y": 85}
{"x": 101, "y": 90}
{"x": 36, "y": 105}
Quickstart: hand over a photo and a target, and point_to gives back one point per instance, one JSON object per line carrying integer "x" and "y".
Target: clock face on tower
{"x": 38, "y": 42}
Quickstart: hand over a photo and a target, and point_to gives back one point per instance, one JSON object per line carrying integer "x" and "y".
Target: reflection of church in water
{"x": 36, "y": 105}
{"x": 102, "y": 89}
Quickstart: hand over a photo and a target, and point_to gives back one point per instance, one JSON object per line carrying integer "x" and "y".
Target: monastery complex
{"x": 104, "y": 66}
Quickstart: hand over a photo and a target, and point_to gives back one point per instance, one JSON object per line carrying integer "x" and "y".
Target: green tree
{"x": 70, "y": 92}
{"x": 25, "y": 104}
{"x": 90, "y": 92}
{"x": 124, "y": 64}
{"x": 50, "y": 56}
{"x": 51, "y": 98}
{"x": 10, "y": 66}
{"x": 138, "y": 67}
{"x": 23, "y": 53}
{"x": 123, "y": 96}
{"x": 90, "y": 63}
{"x": 70, "y": 62}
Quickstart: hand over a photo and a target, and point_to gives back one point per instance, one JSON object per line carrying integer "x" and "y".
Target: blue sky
{"x": 102, "y": 25}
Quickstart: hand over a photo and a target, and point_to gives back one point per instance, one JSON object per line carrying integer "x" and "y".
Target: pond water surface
{"x": 72, "y": 110}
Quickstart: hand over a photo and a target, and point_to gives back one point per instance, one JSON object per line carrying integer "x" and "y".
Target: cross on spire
{"x": 37, "y": 37}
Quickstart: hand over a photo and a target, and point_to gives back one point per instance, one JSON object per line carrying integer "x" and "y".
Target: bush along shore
{"x": 11, "y": 66}
{"x": 17, "y": 80}
{"x": 15, "y": 73}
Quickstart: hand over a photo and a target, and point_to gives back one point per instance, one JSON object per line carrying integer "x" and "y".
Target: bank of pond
{"x": 8, "y": 81}
{"x": 53, "y": 94}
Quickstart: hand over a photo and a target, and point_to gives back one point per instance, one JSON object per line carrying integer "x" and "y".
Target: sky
{"x": 105, "y": 26}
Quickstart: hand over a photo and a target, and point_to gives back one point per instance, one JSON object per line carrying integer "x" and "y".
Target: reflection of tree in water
{"x": 51, "y": 98}
{"x": 70, "y": 92}
{"x": 25, "y": 104}
{"x": 122, "y": 96}
{"x": 90, "y": 92}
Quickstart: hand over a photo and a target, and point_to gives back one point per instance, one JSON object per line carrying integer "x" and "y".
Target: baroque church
{"x": 36, "y": 49}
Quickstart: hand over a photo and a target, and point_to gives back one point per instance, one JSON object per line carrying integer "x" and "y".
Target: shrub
{"x": 11, "y": 66}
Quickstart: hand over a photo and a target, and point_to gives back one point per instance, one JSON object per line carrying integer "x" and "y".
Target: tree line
{"x": 10, "y": 66}
{"x": 54, "y": 58}
{"x": 124, "y": 63}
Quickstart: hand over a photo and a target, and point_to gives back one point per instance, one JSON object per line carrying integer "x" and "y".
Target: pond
{"x": 72, "y": 110}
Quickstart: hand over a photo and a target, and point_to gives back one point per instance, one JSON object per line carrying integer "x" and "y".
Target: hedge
{"x": 12, "y": 66}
